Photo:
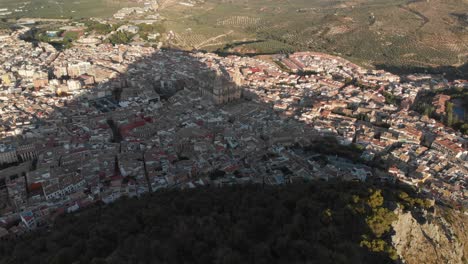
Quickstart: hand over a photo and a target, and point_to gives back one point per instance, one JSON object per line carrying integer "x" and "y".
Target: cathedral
{"x": 222, "y": 86}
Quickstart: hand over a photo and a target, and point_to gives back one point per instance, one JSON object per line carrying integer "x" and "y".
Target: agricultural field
{"x": 398, "y": 35}
{"x": 60, "y": 8}
{"x": 375, "y": 33}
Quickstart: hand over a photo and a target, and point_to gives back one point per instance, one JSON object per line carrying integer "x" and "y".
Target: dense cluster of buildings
{"x": 95, "y": 123}
{"x": 128, "y": 12}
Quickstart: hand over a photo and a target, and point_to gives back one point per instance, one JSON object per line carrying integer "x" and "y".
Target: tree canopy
{"x": 319, "y": 222}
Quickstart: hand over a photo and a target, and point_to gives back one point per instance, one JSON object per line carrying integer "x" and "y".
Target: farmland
{"x": 61, "y": 8}
{"x": 393, "y": 34}
{"x": 399, "y": 35}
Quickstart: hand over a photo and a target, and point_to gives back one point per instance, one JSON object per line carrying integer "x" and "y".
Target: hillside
{"x": 61, "y": 8}
{"x": 344, "y": 222}
{"x": 393, "y": 35}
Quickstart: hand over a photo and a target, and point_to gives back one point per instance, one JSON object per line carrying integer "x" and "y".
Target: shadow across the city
{"x": 98, "y": 128}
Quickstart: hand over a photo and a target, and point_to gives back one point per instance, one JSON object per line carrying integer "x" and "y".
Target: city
{"x": 97, "y": 122}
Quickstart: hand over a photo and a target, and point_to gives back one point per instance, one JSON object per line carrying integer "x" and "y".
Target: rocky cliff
{"x": 437, "y": 238}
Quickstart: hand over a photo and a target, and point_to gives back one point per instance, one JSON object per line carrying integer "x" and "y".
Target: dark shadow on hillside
{"x": 143, "y": 126}
{"x": 449, "y": 72}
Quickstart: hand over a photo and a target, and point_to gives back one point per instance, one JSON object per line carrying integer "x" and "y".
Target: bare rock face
{"x": 434, "y": 241}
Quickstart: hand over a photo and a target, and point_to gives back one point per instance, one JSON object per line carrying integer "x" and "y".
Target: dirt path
{"x": 424, "y": 19}
{"x": 212, "y": 39}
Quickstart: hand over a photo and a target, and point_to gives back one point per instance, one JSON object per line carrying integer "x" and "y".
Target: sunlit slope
{"x": 374, "y": 32}
{"x": 61, "y": 8}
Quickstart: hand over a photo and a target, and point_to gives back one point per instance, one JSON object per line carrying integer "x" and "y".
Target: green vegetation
{"x": 398, "y": 35}
{"x": 379, "y": 219}
{"x": 120, "y": 37}
{"x": 391, "y": 99}
{"x": 318, "y": 222}
{"x": 145, "y": 30}
{"x": 69, "y": 37}
{"x": 4, "y": 25}
{"x": 363, "y": 117}
{"x": 40, "y": 36}
{"x": 153, "y": 28}
{"x": 424, "y": 108}
{"x": 423, "y": 105}
{"x": 463, "y": 127}
{"x": 357, "y": 83}
{"x": 409, "y": 202}
{"x": 65, "y": 42}
{"x": 449, "y": 114}
{"x": 99, "y": 28}
{"x": 64, "y": 8}
{"x": 257, "y": 47}
{"x": 331, "y": 146}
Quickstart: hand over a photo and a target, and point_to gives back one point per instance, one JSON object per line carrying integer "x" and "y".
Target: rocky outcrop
{"x": 434, "y": 240}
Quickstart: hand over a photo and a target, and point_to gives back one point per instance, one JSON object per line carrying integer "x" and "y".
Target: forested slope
{"x": 318, "y": 222}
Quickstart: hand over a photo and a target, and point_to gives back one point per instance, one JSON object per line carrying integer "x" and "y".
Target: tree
{"x": 320, "y": 222}
{"x": 380, "y": 221}
{"x": 464, "y": 129}
{"x": 390, "y": 98}
{"x": 99, "y": 28}
{"x": 65, "y": 255}
{"x": 376, "y": 199}
{"x": 120, "y": 37}
{"x": 449, "y": 113}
